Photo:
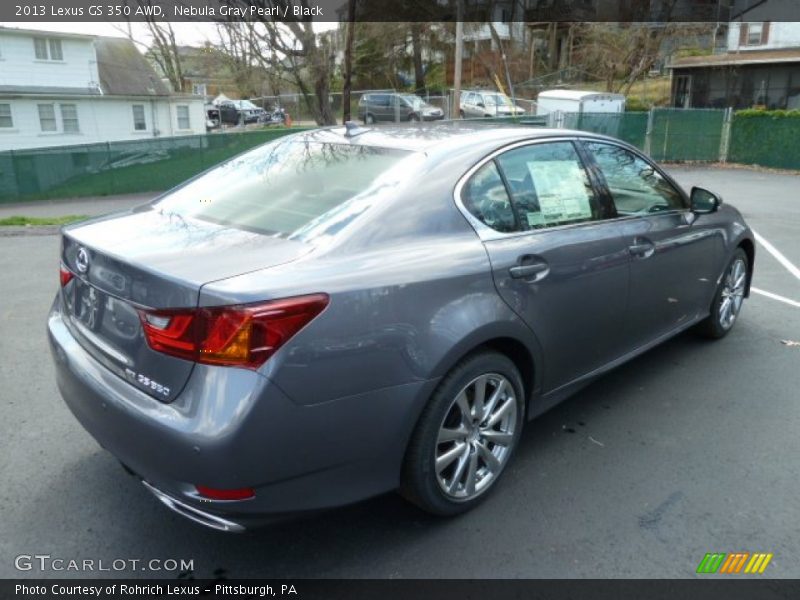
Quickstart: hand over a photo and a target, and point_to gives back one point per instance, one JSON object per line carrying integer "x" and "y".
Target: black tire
{"x": 715, "y": 326}
{"x": 421, "y": 483}
{"x": 369, "y": 119}
{"x": 461, "y": 114}
{"x": 414, "y": 118}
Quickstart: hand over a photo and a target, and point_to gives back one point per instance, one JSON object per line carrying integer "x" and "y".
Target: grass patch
{"x": 24, "y": 221}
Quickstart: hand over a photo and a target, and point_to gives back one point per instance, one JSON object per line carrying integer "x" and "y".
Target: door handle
{"x": 642, "y": 247}
{"x": 529, "y": 270}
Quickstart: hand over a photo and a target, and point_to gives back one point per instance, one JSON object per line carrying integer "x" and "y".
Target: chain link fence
{"x": 118, "y": 167}
{"x": 709, "y": 135}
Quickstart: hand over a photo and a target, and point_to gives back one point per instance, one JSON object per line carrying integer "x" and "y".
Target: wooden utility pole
{"x": 459, "y": 52}
{"x": 348, "y": 60}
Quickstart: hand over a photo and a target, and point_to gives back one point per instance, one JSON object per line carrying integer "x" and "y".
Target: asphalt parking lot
{"x": 691, "y": 448}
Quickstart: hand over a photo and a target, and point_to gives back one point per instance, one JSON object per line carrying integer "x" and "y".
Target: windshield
{"x": 247, "y": 105}
{"x": 414, "y": 102}
{"x": 497, "y": 99}
{"x": 283, "y": 186}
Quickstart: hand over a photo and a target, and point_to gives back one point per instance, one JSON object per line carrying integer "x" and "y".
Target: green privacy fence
{"x": 630, "y": 127}
{"x": 681, "y": 135}
{"x": 118, "y": 167}
{"x": 749, "y": 137}
{"x": 766, "y": 139}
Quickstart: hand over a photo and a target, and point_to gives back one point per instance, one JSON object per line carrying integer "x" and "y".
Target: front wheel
{"x": 465, "y": 436}
{"x": 728, "y": 299}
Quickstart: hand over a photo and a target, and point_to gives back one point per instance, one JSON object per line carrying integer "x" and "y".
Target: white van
{"x": 576, "y": 101}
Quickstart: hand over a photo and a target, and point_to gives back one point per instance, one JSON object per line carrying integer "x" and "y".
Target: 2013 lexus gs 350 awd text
{"x": 345, "y": 312}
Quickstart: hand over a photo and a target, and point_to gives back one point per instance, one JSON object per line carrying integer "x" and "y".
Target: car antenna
{"x": 352, "y": 129}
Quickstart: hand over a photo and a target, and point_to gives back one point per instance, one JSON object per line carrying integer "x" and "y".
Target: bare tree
{"x": 163, "y": 49}
{"x": 293, "y": 47}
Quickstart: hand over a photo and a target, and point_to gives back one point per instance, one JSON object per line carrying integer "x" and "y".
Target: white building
{"x": 60, "y": 89}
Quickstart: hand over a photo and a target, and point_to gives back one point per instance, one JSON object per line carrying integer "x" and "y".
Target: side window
{"x": 549, "y": 185}
{"x": 636, "y": 187}
{"x": 486, "y": 198}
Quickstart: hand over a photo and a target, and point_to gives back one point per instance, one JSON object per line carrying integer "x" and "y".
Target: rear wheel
{"x": 461, "y": 114}
{"x": 728, "y": 300}
{"x": 465, "y": 436}
{"x": 369, "y": 119}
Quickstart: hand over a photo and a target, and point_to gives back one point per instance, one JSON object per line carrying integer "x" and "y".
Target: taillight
{"x": 243, "y": 335}
{"x": 64, "y": 275}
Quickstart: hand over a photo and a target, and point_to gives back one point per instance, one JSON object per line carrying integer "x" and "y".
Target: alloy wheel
{"x": 732, "y": 294}
{"x": 476, "y": 437}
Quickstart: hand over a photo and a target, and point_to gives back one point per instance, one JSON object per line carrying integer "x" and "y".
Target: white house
{"x": 60, "y": 89}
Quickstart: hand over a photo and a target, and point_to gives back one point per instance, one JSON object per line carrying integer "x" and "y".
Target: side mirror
{"x": 704, "y": 202}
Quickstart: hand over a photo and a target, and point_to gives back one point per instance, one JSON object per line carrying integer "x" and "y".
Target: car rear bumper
{"x": 233, "y": 428}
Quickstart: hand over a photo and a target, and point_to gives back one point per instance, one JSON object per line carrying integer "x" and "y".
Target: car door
{"x": 382, "y": 108}
{"x": 557, "y": 260}
{"x": 674, "y": 255}
{"x": 468, "y": 105}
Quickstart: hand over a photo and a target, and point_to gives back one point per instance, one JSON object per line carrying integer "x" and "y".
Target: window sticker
{"x": 561, "y": 191}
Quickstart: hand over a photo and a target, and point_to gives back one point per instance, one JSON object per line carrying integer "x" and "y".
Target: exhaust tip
{"x": 195, "y": 514}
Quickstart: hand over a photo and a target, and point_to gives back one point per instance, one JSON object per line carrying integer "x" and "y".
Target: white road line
{"x": 778, "y": 256}
{"x": 775, "y": 297}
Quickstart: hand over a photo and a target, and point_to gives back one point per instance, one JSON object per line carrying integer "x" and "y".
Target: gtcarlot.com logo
{"x": 47, "y": 562}
{"x": 734, "y": 563}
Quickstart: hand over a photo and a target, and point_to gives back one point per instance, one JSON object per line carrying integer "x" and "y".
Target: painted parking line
{"x": 778, "y": 256}
{"x": 783, "y": 299}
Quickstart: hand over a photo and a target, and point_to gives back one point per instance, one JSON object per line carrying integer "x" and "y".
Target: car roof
{"x": 432, "y": 137}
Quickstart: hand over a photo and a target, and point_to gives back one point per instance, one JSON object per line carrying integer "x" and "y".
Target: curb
{"x": 29, "y": 230}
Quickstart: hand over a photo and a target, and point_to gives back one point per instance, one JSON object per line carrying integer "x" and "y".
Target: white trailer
{"x": 576, "y": 101}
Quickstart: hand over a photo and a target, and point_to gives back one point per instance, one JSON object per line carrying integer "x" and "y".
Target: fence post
{"x": 648, "y": 133}
{"x": 725, "y": 138}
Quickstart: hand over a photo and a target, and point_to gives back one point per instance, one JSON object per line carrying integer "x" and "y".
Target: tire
{"x": 414, "y": 118}
{"x": 728, "y": 299}
{"x": 369, "y": 119}
{"x": 461, "y": 113}
{"x": 473, "y": 452}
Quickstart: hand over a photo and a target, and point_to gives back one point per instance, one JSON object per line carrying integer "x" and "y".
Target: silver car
{"x": 480, "y": 104}
{"x": 345, "y": 312}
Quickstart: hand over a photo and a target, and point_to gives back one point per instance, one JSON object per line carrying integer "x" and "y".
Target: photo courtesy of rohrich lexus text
{"x": 329, "y": 299}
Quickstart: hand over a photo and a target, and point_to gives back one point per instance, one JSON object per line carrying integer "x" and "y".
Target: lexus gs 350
{"x": 345, "y": 312}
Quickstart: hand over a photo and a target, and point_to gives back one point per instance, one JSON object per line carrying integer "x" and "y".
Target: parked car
{"x": 235, "y": 112}
{"x": 375, "y": 107}
{"x": 488, "y": 104}
{"x": 212, "y": 117}
{"x": 387, "y": 317}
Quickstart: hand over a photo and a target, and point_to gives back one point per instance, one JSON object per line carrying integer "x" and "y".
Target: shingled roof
{"x": 124, "y": 71}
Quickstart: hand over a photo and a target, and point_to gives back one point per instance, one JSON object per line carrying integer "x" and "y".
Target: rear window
{"x": 283, "y": 186}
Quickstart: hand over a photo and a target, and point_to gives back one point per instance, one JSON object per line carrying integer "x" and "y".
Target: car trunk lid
{"x": 166, "y": 261}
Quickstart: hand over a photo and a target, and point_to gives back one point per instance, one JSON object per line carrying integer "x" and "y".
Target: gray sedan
{"x": 345, "y": 312}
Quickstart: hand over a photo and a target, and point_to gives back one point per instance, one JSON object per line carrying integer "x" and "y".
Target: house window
{"x": 47, "y": 117}
{"x": 754, "y": 33}
{"x": 47, "y": 49}
{"x": 199, "y": 89}
{"x": 183, "y": 117}
{"x": 139, "y": 124}
{"x": 69, "y": 118}
{"x": 5, "y": 116}
{"x": 40, "y": 47}
{"x": 55, "y": 50}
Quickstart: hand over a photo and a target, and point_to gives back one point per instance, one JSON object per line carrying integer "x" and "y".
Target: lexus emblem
{"x": 82, "y": 260}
